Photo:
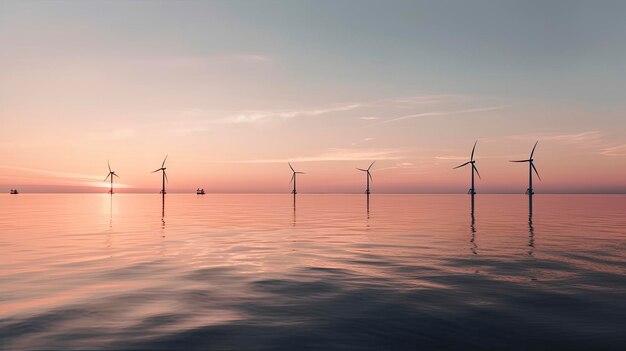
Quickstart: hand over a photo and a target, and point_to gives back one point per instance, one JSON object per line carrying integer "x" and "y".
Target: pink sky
{"x": 85, "y": 84}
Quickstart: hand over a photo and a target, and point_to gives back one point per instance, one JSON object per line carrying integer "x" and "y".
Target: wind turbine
{"x": 531, "y": 168}
{"x": 368, "y": 177}
{"x": 163, "y": 168}
{"x": 293, "y": 178}
{"x": 110, "y": 175}
{"x": 471, "y": 191}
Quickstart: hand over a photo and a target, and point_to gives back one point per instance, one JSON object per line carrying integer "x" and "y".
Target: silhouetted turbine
{"x": 474, "y": 169}
{"x": 368, "y": 177}
{"x": 111, "y": 174}
{"x": 531, "y": 168}
{"x": 293, "y": 178}
{"x": 163, "y": 168}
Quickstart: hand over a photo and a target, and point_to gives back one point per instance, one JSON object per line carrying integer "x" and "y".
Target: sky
{"x": 233, "y": 90}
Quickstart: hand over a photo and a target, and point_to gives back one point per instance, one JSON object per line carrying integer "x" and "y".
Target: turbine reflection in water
{"x": 232, "y": 273}
{"x": 474, "y": 246}
{"x": 109, "y": 240}
{"x": 163, "y": 213}
{"x": 531, "y": 229}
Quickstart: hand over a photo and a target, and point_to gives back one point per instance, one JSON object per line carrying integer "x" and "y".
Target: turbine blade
{"x": 109, "y": 165}
{"x": 476, "y": 169}
{"x": 156, "y": 170}
{"x": 370, "y": 177}
{"x": 300, "y": 173}
{"x": 520, "y": 161}
{"x": 165, "y": 159}
{"x": 290, "y": 166}
{"x": 535, "y": 169}
{"x": 474, "y": 148}
{"x": 105, "y": 179}
{"x": 116, "y": 175}
{"x": 165, "y": 174}
{"x": 292, "y": 176}
{"x": 532, "y": 152}
{"x": 461, "y": 165}
{"x": 368, "y": 168}
{"x": 361, "y": 169}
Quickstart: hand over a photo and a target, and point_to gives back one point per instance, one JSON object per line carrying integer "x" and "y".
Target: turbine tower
{"x": 531, "y": 168}
{"x": 293, "y": 178}
{"x": 110, "y": 175}
{"x": 368, "y": 177}
{"x": 472, "y": 162}
{"x": 163, "y": 168}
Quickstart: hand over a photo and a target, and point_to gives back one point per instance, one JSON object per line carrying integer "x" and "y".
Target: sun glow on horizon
{"x": 231, "y": 108}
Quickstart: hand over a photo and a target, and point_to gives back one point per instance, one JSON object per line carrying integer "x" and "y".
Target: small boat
{"x": 14, "y": 192}
{"x": 199, "y": 191}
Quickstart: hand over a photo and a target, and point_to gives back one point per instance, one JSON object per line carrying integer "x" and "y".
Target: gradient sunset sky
{"x": 233, "y": 90}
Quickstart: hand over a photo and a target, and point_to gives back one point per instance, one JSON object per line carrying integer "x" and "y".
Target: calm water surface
{"x": 243, "y": 272}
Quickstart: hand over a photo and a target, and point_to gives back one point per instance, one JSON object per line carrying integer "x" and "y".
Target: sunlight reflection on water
{"x": 253, "y": 272}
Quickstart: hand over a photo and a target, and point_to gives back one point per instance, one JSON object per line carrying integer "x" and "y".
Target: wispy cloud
{"x": 404, "y": 165}
{"x": 61, "y": 177}
{"x": 339, "y": 155}
{"x": 439, "y": 113}
{"x": 451, "y": 158}
{"x": 593, "y": 136}
{"x": 619, "y": 150}
{"x": 428, "y": 99}
{"x": 408, "y": 167}
{"x": 256, "y": 116}
{"x": 204, "y": 118}
{"x": 52, "y": 173}
{"x": 364, "y": 140}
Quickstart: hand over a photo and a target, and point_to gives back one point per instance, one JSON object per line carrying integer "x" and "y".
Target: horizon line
{"x": 316, "y": 193}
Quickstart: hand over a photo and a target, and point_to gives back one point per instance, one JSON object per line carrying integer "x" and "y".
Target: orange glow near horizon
{"x": 232, "y": 109}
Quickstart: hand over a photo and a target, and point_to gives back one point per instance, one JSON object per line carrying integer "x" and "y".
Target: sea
{"x": 314, "y": 272}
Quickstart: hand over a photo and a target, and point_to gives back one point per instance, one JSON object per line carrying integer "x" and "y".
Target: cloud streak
{"x": 258, "y": 116}
{"x": 338, "y": 155}
{"x": 613, "y": 151}
{"x": 63, "y": 177}
{"x": 451, "y": 158}
{"x": 439, "y": 113}
{"x": 592, "y": 136}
